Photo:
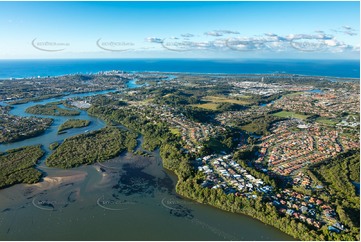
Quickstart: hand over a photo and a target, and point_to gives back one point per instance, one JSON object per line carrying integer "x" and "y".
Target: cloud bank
{"x": 222, "y": 40}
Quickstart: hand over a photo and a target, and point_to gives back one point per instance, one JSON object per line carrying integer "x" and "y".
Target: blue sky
{"x": 321, "y": 30}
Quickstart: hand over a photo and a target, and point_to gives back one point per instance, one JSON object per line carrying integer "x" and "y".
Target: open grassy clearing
{"x": 217, "y": 99}
{"x": 286, "y": 114}
{"x": 327, "y": 121}
{"x": 175, "y": 131}
{"x": 209, "y": 106}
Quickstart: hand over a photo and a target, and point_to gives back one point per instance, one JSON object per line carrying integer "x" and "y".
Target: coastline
{"x": 226, "y": 66}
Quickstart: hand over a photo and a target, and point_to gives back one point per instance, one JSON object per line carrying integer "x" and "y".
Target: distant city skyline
{"x": 280, "y": 30}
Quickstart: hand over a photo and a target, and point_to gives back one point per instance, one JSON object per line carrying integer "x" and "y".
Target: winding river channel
{"x": 129, "y": 197}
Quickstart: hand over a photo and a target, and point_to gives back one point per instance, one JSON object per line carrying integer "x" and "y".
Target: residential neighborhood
{"x": 222, "y": 172}
{"x": 293, "y": 145}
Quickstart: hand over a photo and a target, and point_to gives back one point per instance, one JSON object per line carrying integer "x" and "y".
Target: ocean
{"x": 34, "y": 68}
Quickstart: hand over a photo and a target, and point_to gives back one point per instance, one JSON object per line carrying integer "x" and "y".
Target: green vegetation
{"x": 51, "y": 109}
{"x": 174, "y": 131}
{"x": 260, "y": 126}
{"x": 225, "y": 142}
{"x": 13, "y": 128}
{"x": 17, "y": 166}
{"x": 175, "y": 97}
{"x": 199, "y": 115}
{"x": 210, "y": 106}
{"x": 154, "y": 134}
{"x": 258, "y": 209}
{"x": 221, "y": 103}
{"x": 327, "y": 121}
{"x": 142, "y": 153}
{"x": 73, "y": 123}
{"x": 97, "y": 146}
{"x": 338, "y": 174}
{"x": 220, "y": 99}
{"x": 34, "y": 99}
{"x": 54, "y": 145}
{"x": 286, "y": 114}
{"x": 219, "y": 106}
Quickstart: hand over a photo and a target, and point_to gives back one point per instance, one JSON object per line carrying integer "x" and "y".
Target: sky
{"x": 303, "y": 30}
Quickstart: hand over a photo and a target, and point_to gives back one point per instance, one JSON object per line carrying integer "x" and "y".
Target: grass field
{"x": 175, "y": 131}
{"x": 217, "y": 99}
{"x": 212, "y": 102}
{"x": 251, "y": 127}
{"x": 210, "y": 106}
{"x": 286, "y": 114}
{"x": 327, "y": 121}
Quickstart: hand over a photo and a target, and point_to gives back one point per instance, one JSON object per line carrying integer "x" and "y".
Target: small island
{"x": 73, "y": 123}
{"x": 51, "y": 109}
{"x": 103, "y": 144}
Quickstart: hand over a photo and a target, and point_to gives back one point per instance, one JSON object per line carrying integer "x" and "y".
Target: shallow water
{"x": 128, "y": 198}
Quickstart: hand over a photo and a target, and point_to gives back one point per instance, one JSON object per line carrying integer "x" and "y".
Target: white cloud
{"x": 331, "y": 42}
{"x": 213, "y": 33}
{"x": 154, "y": 40}
{"x": 224, "y": 31}
{"x": 318, "y": 41}
{"x": 187, "y": 35}
{"x": 221, "y": 32}
{"x": 346, "y": 30}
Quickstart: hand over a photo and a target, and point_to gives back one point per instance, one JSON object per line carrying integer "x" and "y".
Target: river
{"x": 129, "y": 197}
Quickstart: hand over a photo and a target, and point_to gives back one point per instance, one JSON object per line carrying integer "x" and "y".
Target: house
{"x": 333, "y": 229}
{"x": 339, "y": 226}
{"x": 312, "y": 212}
{"x": 289, "y": 212}
{"x": 309, "y": 221}
{"x": 304, "y": 209}
{"x": 295, "y": 206}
